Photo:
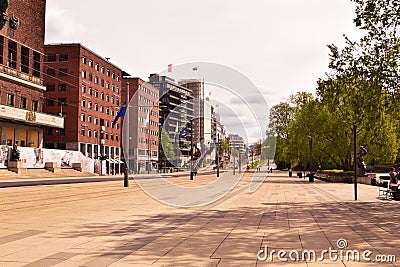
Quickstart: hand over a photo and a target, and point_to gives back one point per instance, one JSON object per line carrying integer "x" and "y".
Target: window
{"x": 102, "y": 69}
{"x": 24, "y": 59}
{"x": 82, "y": 117}
{"x": 61, "y": 132}
{"x": 112, "y": 100}
{"x": 51, "y": 72}
{"x": 107, "y": 98}
{"x": 102, "y": 82}
{"x": 101, "y": 108}
{"x": 112, "y": 137}
{"x": 96, "y": 107}
{"x": 50, "y": 102}
{"x": 116, "y": 138}
{"x": 90, "y": 77}
{"x": 96, "y": 94}
{"x": 12, "y": 54}
{"x": 89, "y": 105}
{"x": 106, "y": 136}
{"x": 84, "y": 60}
{"x": 89, "y": 119}
{"x": 102, "y": 96}
{"x": 113, "y": 75}
{"x": 117, "y": 102}
{"x": 84, "y": 74}
{"x": 62, "y": 87}
{"x": 118, "y": 78}
{"x": 90, "y": 91}
{"x": 112, "y": 87}
{"x": 36, "y": 64}
{"x": 89, "y": 133}
{"x": 82, "y": 132}
{"x": 83, "y": 103}
{"x": 108, "y": 72}
{"x": 95, "y": 134}
{"x": 97, "y": 66}
{"x": 22, "y": 103}
{"x": 96, "y": 80}
{"x": 107, "y": 85}
{"x": 90, "y": 63}
{"x": 83, "y": 88}
{"x": 95, "y": 121}
{"x": 62, "y": 101}
{"x": 64, "y": 57}
{"x": 49, "y": 131}
{"x": 50, "y": 87}
{"x": 107, "y": 111}
{"x": 35, "y": 105}
{"x": 62, "y": 72}
{"x": 51, "y": 58}
{"x": 10, "y": 99}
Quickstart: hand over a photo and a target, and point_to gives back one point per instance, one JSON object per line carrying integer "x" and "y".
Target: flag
{"x": 121, "y": 113}
{"x": 169, "y": 67}
{"x": 184, "y": 132}
{"x": 176, "y": 128}
{"x": 194, "y": 68}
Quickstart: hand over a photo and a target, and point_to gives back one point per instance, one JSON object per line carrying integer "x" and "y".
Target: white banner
{"x": 37, "y": 157}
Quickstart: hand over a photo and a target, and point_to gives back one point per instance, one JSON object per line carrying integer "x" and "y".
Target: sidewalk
{"x": 108, "y": 225}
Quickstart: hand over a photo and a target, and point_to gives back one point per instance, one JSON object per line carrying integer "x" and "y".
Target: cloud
{"x": 62, "y": 26}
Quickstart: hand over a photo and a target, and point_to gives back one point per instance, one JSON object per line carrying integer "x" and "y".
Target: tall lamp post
{"x": 126, "y": 174}
{"x": 191, "y": 151}
{"x": 217, "y": 161}
{"x": 311, "y": 176}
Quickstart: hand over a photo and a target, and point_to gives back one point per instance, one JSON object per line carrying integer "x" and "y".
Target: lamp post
{"x": 311, "y": 176}
{"x": 217, "y": 161}
{"x": 126, "y": 178}
{"x": 191, "y": 151}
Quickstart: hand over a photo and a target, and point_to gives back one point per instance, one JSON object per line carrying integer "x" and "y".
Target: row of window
{"x": 102, "y": 82}
{"x": 22, "y": 102}
{"x": 102, "y": 69}
{"x": 53, "y": 57}
{"x": 147, "y": 91}
{"x": 146, "y": 141}
{"x": 61, "y": 72}
{"x": 102, "y": 95}
{"x": 52, "y": 87}
{"x": 95, "y": 135}
{"x": 95, "y": 120}
{"x": 23, "y": 56}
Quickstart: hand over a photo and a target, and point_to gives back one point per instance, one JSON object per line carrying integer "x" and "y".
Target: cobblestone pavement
{"x": 105, "y": 224}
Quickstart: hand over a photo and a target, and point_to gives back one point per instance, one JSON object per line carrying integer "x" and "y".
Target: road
{"x": 105, "y": 224}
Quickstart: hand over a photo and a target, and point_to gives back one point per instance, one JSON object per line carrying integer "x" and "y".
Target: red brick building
{"x": 143, "y": 123}
{"x": 86, "y": 89}
{"x": 22, "y": 27}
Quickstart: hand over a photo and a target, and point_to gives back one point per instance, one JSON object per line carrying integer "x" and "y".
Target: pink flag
{"x": 169, "y": 67}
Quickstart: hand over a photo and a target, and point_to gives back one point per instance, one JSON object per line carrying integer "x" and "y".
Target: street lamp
{"x": 311, "y": 176}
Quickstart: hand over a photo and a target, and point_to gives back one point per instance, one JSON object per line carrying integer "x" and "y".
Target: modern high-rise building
{"x": 196, "y": 87}
{"x": 22, "y": 27}
{"x": 176, "y": 115}
{"x": 143, "y": 123}
{"x": 85, "y": 89}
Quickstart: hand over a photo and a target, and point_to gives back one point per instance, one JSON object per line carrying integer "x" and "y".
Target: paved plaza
{"x": 105, "y": 224}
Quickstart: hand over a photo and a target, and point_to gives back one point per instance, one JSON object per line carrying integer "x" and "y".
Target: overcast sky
{"x": 280, "y": 45}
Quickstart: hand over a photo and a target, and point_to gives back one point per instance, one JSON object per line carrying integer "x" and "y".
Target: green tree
{"x": 165, "y": 147}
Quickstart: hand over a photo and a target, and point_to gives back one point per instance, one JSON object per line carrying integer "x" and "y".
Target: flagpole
{"x": 126, "y": 122}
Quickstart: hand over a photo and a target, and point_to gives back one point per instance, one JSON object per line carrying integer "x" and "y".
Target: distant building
{"x": 85, "y": 89}
{"x": 22, "y": 28}
{"x": 176, "y": 113}
{"x": 236, "y": 143}
{"x": 143, "y": 123}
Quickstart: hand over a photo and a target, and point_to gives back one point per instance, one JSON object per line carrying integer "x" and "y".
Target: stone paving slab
{"x": 105, "y": 224}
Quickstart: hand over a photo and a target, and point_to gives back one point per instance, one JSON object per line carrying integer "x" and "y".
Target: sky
{"x": 280, "y": 45}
